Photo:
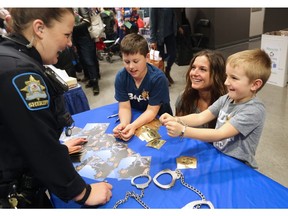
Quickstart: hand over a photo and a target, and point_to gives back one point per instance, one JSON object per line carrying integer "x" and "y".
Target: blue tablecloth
{"x": 223, "y": 180}
{"x": 76, "y": 100}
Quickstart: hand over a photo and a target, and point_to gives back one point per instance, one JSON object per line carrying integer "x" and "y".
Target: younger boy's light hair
{"x": 256, "y": 63}
{"x": 134, "y": 43}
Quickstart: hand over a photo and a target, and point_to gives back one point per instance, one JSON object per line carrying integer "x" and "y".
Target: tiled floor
{"x": 273, "y": 147}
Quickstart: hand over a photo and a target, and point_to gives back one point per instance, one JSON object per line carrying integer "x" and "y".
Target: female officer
{"x": 32, "y": 113}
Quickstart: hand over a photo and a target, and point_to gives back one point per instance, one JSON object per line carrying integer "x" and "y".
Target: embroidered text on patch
{"x": 35, "y": 91}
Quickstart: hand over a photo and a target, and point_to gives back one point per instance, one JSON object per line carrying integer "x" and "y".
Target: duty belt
{"x": 24, "y": 183}
{"x": 5, "y": 189}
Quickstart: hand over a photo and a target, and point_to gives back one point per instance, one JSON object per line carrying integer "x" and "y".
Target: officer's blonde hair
{"x": 22, "y": 17}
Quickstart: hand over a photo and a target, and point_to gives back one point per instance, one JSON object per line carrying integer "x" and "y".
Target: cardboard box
{"x": 275, "y": 44}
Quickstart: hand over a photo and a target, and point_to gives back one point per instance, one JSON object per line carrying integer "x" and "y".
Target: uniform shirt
{"x": 154, "y": 90}
{"x": 248, "y": 118}
{"x": 29, "y": 125}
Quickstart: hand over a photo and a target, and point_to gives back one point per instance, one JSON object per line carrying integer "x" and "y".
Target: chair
{"x": 200, "y": 38}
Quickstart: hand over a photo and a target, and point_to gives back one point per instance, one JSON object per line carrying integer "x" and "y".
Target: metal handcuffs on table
{"x": 132, "y": 194}
{"x": 173, "y": 174}
{"x": 177, "y": 174}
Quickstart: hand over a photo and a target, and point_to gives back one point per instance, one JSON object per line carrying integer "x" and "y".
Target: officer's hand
{"x": 75, "y": 144}
{"x": 100, "y": 194}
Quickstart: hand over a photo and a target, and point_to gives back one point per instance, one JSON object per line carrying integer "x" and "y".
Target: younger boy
{"x": 240, "y": 114}
{"x": 139, "y": 85}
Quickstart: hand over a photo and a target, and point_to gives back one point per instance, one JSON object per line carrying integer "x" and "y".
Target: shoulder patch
{"x": 32, "y": 90}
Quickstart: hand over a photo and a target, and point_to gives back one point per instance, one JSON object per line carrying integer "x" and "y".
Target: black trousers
{"x": 170, "y": 56}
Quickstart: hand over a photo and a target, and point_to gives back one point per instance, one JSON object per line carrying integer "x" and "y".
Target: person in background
{"x": 164, "y": 25}
{"x": 32, "y": 159}
{"x": 139, "y": 85}
{"x": 67, "y": 61}
{"x": 240, "y": 113}
{"x": 108, "y": 18}
{"x": 86, "y": 48}
{"x": 205, "y": 79}
{"x": 130, "y": 17}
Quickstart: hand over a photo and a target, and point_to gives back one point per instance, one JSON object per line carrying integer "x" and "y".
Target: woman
{"x": 204, "y": 84}
{"x": 32, "y": 114}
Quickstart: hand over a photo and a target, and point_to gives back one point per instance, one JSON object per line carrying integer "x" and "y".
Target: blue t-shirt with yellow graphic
{"x": 154, "y": 90}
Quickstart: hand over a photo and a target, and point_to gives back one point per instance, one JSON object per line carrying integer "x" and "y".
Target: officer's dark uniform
{"x": 31, "y": 121}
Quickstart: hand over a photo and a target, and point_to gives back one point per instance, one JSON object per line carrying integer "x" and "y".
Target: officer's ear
{"x": 8, "y": 23}
{"x": 38, "y": 28}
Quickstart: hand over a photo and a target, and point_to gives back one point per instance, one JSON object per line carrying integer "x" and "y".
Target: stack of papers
{"x": 71, "y": 81}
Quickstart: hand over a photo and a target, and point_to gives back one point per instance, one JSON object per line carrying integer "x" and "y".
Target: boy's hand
{"x": 174, "y": 128}
{"x": 127, "y": 132}
{"x": 164, "y": 118}
{"x": 117, "y": 131}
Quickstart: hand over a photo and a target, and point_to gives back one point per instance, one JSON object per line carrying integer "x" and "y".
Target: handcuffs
{"x": 194, "y": 204}
{"x": 132, "y": 194}
{"x": 173, "y": 174}
{"x": 143, "y": 185}
{"x": 177, "y": 174}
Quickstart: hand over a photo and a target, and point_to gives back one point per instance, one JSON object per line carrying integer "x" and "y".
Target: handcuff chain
{"x": 137, "y": 197}
{"x": 190, "y": 186}
{"x": 119, "y": 202}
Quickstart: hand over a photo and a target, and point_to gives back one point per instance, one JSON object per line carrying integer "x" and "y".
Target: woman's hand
{"x": 75, "y": 144}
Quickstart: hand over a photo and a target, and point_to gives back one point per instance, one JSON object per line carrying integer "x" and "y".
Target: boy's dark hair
{"x": 134, "y": 43}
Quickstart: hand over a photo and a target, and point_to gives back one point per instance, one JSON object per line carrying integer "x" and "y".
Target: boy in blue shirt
{"x": 139, "y": 85}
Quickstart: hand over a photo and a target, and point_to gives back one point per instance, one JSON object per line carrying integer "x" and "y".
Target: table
{"x": 224, "y": 181}
{"x": 76, "y": 100}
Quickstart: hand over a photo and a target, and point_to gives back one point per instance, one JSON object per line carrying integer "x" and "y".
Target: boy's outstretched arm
{"x": 175, "y": 129}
